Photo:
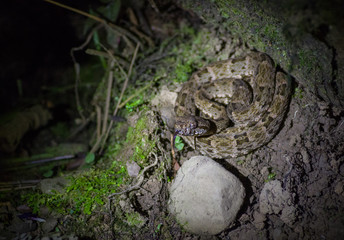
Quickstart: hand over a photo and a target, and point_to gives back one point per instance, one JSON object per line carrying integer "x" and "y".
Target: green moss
{"x": 307, "y": 60}
{"x": 189, "y": 53}
{"x": 183, "y": 72}
{"x": 267, "y": 28}
{"x": 86, "y": 192}
{"x": 141, "y": 141}
{"x": 254, "y": 26}
{"x": 271, "y": 32}
{"x": 134, "y": 219}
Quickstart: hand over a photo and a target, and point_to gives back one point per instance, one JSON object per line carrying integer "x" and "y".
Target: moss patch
{"x": 140, "y": 140}
{"x": 86, "y": 192}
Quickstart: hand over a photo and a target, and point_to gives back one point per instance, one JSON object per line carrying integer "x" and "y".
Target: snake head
{"x": 192, "y": 126}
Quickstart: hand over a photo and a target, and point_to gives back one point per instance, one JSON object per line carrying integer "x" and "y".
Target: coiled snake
{"x": 233, "y": 107}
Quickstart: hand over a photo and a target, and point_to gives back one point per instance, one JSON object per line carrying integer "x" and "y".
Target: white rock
{"x": 204, "y": 197}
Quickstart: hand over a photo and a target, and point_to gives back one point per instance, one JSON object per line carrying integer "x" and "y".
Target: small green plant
{"x": 271, "y": 175}
{"x": 131, "y": 106}
{"x": 298, "y": 93}
{"x": 178, "y": 143}
{"x": 48, "y": 173}
{"x": 240, "y": 162}
{"x": 90, "y": 157}
{"x": 158, "y": 228}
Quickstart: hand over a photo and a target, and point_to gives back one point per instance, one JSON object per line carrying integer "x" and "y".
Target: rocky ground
{"x": 291, "y": 188}
{"x": 294, "y": 184}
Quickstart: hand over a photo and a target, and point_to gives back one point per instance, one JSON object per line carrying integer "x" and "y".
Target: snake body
{"x": 233, "y": 107}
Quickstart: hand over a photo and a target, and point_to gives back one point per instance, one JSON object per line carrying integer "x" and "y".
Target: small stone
{"x": 278, "y": 234}
{"x": 20, "y": 226}
{"x": 133, "y": 169}
{"x": 49, "y": 225}
{"x": 264, "y": 171}
{"x": 305, "y": 155}
{"x": 339, "y": 188}
{"x": 57, "y": 184}
{"x": 288, "y": 215}
{"x": 259, "y": 220}
{"x": 274, "y": 200}
{"x": 294, "y": 139}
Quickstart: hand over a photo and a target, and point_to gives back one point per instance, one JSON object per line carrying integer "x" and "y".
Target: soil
{"x": 306, "y": 158}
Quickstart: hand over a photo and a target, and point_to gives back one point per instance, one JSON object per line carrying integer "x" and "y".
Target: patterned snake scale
{"x": 233, "y": 107}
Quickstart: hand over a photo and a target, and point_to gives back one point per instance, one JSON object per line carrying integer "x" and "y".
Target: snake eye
{"x": 193, "y": 125}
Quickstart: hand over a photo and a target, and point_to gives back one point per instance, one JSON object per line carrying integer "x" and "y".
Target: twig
{"x": 338, "y": 127}
{"x": 77, "y": 11}
{"x": 17, "y": 185}
{"x": 144, "y": 36}
{"x": 21, "y": 182}
{"x": 139, "y": 178}
{"x": 127, "y": 79}
{"x": 96, "y": 145}
{"x": 99, "y": 121}
{"x": 172, "y": 149}
{"x": 295, "y": 114}
{"x": 77, "y": 70}
{"x": 108, "y": 55}
{"x": 135, "y": 94}
{"x": 58, "y": 158}
{"x": 98, "y": 53}
{"x": 122, "y": 92}
{"x": 175, "y": 164}
{"x": 108, "y": 96}
{"x": 16, "y": 188}
{"x": 154, "y": 6}
{"x": 115, "y": 60}
{"x": 125, "y": 38}
{"x": 112, "y": 26}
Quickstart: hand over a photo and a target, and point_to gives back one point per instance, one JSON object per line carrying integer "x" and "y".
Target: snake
{"x": 232, "y": 107}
